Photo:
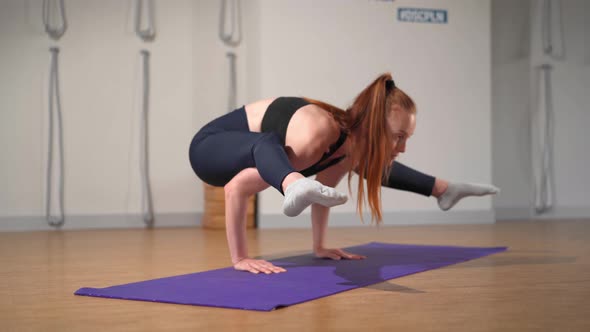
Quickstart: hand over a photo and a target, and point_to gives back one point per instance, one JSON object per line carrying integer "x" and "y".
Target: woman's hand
{"x": 336, "y": 254}
{"x": 257, "y": 265}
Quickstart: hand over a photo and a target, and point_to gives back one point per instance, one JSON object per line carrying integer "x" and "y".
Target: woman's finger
{"x": 264, "y": 263}
{"x": 352, "y": 256}
{"x": 335, "y": 257}
{"x": 261, "y": 268}
{"x": 278, "y": 269}
{"x": 271, "y": 267}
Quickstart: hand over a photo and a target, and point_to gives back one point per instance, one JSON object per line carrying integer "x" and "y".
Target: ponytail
{"x": 366, "y": 123}
{"x": 371, "y": 143}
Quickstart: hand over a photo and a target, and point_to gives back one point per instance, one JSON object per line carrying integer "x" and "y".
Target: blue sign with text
{"x": 422, "y": 15}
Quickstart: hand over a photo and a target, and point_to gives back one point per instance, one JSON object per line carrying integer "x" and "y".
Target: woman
{"x": 280, "y": 142}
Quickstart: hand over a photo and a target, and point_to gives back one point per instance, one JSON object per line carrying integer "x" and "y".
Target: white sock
{"x": 304, "y": 192}
{"x": 456, "y": 191}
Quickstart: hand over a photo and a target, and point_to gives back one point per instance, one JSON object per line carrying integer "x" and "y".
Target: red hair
{"x": 370, "y": 152}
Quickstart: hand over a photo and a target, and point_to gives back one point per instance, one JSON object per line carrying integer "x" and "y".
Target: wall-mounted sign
{"x": 422, "y": 15}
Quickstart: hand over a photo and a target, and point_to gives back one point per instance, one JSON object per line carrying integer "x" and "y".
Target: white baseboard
{"x": 268, "y": 221}
{"x": 77, "y": 222}
{"x": 513, "y": 213}
{"x": 389, "y": 218}
{"x": 558, "y": 212}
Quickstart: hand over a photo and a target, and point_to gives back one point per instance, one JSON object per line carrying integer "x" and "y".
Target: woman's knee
{"x": 270, "y": 138}
{"x": 233, "y": 189}
{"x": 246, "y": 183}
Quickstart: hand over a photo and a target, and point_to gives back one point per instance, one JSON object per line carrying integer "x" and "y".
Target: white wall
{"x": 100, "y": 82}
{"x": 515, "y": 59}
{"x": 511, "y": 102}
{"x": 330, "y": 50}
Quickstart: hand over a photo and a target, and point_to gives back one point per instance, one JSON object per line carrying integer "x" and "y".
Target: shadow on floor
{"x": 509, "y": 260}
{"x": 394, "y": 288}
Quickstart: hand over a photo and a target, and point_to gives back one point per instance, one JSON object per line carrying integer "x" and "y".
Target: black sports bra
{"x": 277, "y": 119}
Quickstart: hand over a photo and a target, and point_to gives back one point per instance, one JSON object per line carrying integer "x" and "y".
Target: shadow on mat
{"x": 367, "y": 273}
{"x": 382, "y": 286}
{"x": 401, "y": 261}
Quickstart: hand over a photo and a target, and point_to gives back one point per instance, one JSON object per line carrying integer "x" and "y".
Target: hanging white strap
{"x": 149, "y": 32}
{"x": 234, "y": 37}
{"x": 546, "y": 27}
{"x": 146, "y": 194}
{"x": 233, "y": 84}
{"x": 542, "y": 138}
{"x": 552, "y": 29}
{"x": 51, "y": 8}
{"x": 55, "y": 129}
{"x": 586, "y": 27}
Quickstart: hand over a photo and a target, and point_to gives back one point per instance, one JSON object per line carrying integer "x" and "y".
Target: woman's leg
{"x": 217, "y": 155}
{"x": 226, "y": 146}
{"x": 237, "y": 191}
{"x": 456, "y": 191}
{"x": 402, "y": 177}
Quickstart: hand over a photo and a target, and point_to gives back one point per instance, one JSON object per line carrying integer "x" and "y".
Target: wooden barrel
{"x": 214, "y": 214}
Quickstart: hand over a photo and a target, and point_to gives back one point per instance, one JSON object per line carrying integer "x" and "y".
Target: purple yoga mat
{"x": 307, "y": 278}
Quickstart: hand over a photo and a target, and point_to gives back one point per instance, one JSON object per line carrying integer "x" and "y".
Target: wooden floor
{"x": 542, "y": 283}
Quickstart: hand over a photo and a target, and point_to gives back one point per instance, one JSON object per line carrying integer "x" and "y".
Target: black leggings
{"x": 226, "y": 146}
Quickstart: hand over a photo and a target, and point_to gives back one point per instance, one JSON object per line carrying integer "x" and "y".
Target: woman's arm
{"x": 245, "y": 184}
{"x": 319, "y": 221}
{"x": 319, "y": 215}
